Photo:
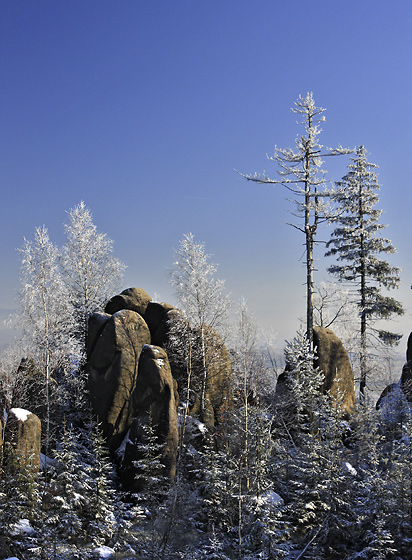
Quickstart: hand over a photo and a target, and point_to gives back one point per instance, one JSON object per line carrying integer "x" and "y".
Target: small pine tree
{"x": 304, "y": 384}
{"x": 19, "y": 494}
{"x": 154, "y": 486}
{"x": 99, "y": 518}
{"x": 68, "y": 500}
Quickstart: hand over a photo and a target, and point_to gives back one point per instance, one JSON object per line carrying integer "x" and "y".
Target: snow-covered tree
{"x": 45, "y": 317}
{"x": 181, "y": 353}
{"x": 153, "y": 485}
{"x": 357, "y": 243}
{"x": 68, "y": 500}
{"x": 303, "y": 381}
{"x": 19, "y": 493}
{"x": 200, "y": 296}
{"x": 100, "y": 510}
{"x": 92, "y": 274}
{"x": 302, "y": 174}
{"x": 309, "y": 469}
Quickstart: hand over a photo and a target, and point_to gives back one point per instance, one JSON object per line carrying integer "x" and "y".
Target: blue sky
{"x": 143, "y": 109}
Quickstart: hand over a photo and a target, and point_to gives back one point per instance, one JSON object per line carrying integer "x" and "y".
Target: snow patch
{"x": 159, "y": 362}
{"x": 350, "y": 468}
{"x": 193, "y": 425}
{"x": 122, "y": 448}
{"x": 103, "y": 552}
{"x": 394, "y": 406}
{"x": 20, "y": 413}
{"x": 22, "y": 527}
{"x": 46, "y": 462}
{"x": 270, "y": 499}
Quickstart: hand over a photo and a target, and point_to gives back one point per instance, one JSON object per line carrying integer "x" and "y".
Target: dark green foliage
{"x": 357, "y": 244}
{"x": 19, "y": 495}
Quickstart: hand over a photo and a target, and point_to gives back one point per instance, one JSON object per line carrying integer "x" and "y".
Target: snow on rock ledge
{"x": 23, "y": 431}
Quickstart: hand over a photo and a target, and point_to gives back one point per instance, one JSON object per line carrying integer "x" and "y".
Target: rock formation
{"x": 154, "y": 403}
{"x": 115, "y": 343}
{"x": 22, "y": 431}
{"x": 333, "y": 360}
{"x": 131, "y": 380}
{"x": 134, "y": 299}
{"x": 157, "y": 317}
{"x": 406, "y": 379}
{"x": 405, "y": 384}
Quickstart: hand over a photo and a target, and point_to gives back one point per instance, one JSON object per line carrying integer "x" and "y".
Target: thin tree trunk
{"x": 204, "y": 373}
{"x": 309, "y": 232}
{"x": 363, "y": 341}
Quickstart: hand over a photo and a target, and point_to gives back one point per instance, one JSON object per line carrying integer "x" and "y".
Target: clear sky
{"x": 143, "y": 109}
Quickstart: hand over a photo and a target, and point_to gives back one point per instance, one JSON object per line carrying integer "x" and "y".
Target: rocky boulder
{"x": 333, "y": 360}
{"x": 394, "y": 409}
{"x": 406, "y": 379}
{"x": 114, "y": 346}
{"x": 134, "y": 299}
{"x": 219, "y": 381}
{"x": 157, "y": 317}
{"x": 219, "y": 377}
{"x": 23, "y": 433}
{"x": 131, "y": 381}
{"x": 409, "y": 349}
{"x": 154, "y": 403}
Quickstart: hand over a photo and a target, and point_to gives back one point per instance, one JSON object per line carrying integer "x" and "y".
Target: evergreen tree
{"x": 19, "y": 494}
{"x": 309, "y": 468}
{"x": 304, "y": 400}
{"x": 357, "y": 243}
{"x": 68, "y": 499}
{"x": 154, "y": 487}
{"x": 99, "y": 515}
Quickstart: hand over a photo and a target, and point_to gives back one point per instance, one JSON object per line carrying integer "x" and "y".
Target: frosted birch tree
{"x": 357, "y": 243}
{"x": 200, "y": 296}
{"x": 301, "y": 172}
{"x": 92, "y": 274}
{"x": 45, "y": 316}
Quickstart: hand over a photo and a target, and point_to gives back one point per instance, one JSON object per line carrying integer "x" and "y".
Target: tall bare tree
{"x": 301, "y": 172}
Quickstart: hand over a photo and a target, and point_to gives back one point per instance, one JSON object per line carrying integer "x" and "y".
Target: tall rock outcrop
{"x": 115, "y": 343}
{"x": 406, "y": 379}
{"x": 23, "y": 432}
{"x": 333, "y": 360}
{"x": 154, "y": 403}
{"x": 131, "y": 381}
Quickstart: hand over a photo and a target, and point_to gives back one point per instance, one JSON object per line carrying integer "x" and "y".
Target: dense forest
{"x": 194, "y": 439}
